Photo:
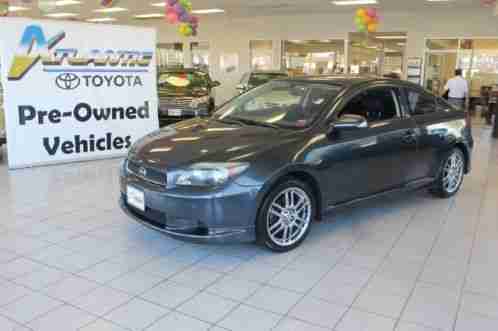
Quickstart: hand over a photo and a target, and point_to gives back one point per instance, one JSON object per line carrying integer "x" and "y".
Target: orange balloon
{"x": 367, "y": 20}
{"x": 372, "y": 27}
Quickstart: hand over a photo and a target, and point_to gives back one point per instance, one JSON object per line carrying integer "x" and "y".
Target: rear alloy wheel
{"x": 286, "y": 216}
{"x": 451, "y": 175}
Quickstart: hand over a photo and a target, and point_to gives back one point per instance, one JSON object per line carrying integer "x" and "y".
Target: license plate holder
{"x": 135, "y": 198}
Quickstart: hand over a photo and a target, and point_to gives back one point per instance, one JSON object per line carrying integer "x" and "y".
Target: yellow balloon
{"x": 361, "y": 12}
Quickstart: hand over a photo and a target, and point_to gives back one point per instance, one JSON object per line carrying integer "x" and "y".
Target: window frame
{"x": 395, "y": 94}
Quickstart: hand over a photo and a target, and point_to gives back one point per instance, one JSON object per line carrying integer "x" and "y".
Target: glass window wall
{"x": 313, "y": 57}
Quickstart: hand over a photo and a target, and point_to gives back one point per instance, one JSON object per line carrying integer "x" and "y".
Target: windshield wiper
{"x": 248, "y": 121}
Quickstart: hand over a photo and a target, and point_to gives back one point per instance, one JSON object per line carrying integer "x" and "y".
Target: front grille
{"x": 154, "y": 176}
{"x": 181, "y": 102}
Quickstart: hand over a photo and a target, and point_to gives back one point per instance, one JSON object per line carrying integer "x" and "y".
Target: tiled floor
{"x": 70, "y": 260}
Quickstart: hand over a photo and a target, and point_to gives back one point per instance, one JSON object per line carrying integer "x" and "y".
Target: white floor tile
{"x": 136, "y": 315}
{"x": 273, "y": 299}
{"x": 356, "y": 320}
{"x": 207, "y": 307}
{"x": 318, "y": 312}
{"x": 245, "y": 318}
{"x": 169, "y": 294}
{"x": 29, "y": 307}
{"x": 179, "y": 322}
{"x": 66, "y": 317}
{"x": 101, "y": 300}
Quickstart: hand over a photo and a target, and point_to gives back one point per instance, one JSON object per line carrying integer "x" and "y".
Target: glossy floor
{"x": 70, "y": 260}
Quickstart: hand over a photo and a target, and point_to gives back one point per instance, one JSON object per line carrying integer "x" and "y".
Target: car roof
{"x": 350, "y": 80}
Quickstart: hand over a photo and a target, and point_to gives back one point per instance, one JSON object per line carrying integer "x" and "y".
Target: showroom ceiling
{"x": 85, "y": 9}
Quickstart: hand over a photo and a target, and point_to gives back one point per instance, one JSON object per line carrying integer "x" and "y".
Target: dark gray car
{"x": 273, "y": 160}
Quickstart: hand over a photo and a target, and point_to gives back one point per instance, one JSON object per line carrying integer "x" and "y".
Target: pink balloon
{"x": 372, "y": 12}
{"x": 172, "y": 18}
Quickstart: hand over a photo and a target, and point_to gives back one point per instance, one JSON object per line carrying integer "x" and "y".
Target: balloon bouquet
{"x": 367, "y": 20}
{"x": 180, "y": 11}
{"x": 488, "y": 3}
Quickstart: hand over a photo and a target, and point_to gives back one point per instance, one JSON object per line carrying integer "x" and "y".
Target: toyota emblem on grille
{"x": 142, "y": 171}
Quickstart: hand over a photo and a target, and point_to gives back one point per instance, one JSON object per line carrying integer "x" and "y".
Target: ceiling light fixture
{"x": 147, "y": 16}
{"x": 440, "y": 0}
{"x": 17, "y": 8}
{"x": 101, "y": 19}
{"x": 61, "y": 15}
{"x": 61, "y": 3}
{"x": 208, "y": 11}
{"x": 110, "y": 10}
{"x": 354, "y": 2}
{"x": 390, "y": 37}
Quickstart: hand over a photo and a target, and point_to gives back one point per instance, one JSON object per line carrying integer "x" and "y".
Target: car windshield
{"x": 280, "y": 103}
{"x": 261, "y": 78}
{"x": 183, "y": 79}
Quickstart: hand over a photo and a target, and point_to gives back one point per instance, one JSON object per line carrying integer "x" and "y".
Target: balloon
{"x": 172, "y": 18}
{"x": 108, "y": 3}
{"x": 371, "y": 12}
{"x": 194, "y": 22}
{"x": 178, "y": 8}
{"x": 185, "y": 17}
{"x": 187, "y": 5}
{"x": 372, "y": 27}
{"x": 360, "y": 12}
{"x": 171, "y": 3}
{"x": 367, "y": 20}
{"x": 4, "y": 8}
{"x": 185, "y": 30}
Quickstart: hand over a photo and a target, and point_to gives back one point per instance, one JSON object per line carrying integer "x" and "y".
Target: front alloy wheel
{"x": 451, "y": 176}
{"x": 287, "y": 215}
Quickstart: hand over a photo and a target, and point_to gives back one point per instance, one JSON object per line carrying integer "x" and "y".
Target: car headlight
{"x": 196, "y": 102}
{"x": 209, "y": 174}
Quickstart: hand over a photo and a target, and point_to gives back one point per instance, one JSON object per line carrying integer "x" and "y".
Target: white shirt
{"x": 458, "y": 86}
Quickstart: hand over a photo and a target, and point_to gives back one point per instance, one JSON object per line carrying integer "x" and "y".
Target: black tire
{"x": 440, "y": 188}
{"x": 262, "y": 225}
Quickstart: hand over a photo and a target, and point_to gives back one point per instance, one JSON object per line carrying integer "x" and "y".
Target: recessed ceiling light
{"x": 354, "y": 2}
{"x": 61, "y": 3}
{"x": 61, "y": 15}
{"x": 152, "y": 15}
{"x": 111, "y": 10}
{"x": 390, "y": 37}
{"x": 101, "y": 19}
{"x": 208, "y": 11}
{"x": 17, "y": 8}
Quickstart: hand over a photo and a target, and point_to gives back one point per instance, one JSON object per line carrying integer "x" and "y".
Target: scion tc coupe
{"x": 270, "y": 162}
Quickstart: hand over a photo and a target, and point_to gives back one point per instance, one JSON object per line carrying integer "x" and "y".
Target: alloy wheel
{"x": 289, "y": 216}
{"x": 453, "y": 172}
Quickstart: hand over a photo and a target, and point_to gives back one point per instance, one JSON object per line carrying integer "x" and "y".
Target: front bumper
{"x": 225, "y": 215}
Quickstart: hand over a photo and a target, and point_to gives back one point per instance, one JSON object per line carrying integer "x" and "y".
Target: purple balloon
{"x": 185, "y": 17}
{"x": 179, "y": 9}
{"x": 171, "y": 2}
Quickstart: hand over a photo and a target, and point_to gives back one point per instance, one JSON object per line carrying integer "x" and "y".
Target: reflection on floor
{"x": 70, "y": 260}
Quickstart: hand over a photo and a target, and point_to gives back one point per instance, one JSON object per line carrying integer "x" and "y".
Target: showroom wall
{"x": 232, "y": 35}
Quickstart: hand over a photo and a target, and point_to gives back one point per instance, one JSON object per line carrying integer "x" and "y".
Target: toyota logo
{"x": 67, "y": 81}
{"x": 142, "y": 171}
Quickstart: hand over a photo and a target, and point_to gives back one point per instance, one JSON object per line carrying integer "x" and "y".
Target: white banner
{"x": 75, "y": 91}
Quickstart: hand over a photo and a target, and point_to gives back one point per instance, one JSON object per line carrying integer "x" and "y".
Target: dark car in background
{"x": 184, "y": 94}
{"x": 254, "y": 79}
{"x": 270, "y": 162}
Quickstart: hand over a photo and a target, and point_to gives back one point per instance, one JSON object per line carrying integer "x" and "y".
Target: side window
{"x": 376, "y": 105}
{"x": 420, "y": 103}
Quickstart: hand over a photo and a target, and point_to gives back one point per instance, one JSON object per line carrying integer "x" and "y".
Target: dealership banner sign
{"x": 75, "y": 91}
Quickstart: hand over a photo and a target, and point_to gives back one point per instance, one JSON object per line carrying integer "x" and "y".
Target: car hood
{"x": 207, "y": 140}
{"x": 182, "y": 92}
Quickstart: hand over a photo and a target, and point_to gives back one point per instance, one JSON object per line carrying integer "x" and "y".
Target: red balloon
{"x": 172, "y": 18}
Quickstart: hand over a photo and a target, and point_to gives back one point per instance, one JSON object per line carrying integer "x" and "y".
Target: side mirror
{"x": 349, "y": 122}
{"x": 215, "y": 83}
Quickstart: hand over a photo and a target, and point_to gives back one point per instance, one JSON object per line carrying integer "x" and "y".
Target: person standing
{"x": 458, "y": 90}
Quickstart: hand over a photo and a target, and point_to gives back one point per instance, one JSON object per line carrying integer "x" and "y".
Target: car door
{"x": 363, "y": 162}
{"x": 433, "y": 132}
